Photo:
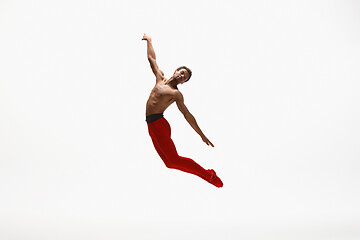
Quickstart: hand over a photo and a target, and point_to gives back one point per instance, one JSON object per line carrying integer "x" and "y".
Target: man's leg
{"x": 174, "y": 161}
{"x": 167, "y": 151}
{"x": 158, "y": 150}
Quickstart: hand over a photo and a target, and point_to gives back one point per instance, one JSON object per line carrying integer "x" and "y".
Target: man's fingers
{"x": 209, "y": 143}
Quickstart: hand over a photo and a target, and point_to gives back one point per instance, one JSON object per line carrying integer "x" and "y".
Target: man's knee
{"x": 172, "y": 164}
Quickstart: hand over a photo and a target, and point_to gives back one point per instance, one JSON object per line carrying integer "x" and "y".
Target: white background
{"x": 275, "y": 87}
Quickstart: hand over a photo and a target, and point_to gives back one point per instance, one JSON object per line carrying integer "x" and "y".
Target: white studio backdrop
{"x": 275, "y": 87}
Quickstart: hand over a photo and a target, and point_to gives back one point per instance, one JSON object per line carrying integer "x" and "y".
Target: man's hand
{"x": 146, "y": 37}
{"x": 207, "y": 141}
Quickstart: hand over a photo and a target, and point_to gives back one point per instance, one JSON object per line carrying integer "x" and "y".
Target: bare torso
{"x": 161, "y": 97}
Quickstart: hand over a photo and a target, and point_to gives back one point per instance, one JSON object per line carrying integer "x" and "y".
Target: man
{"x": 161, "y": 97}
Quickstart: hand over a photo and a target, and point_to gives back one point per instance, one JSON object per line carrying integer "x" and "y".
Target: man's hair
{"x": 187, "y": 69}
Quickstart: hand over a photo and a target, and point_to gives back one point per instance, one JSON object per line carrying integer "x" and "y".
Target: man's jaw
{"x": 176, "y": 80}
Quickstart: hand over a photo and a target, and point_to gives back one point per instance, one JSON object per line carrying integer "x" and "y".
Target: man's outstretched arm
{"x": 152, "y": 57}
{"x": 190, "y": 118}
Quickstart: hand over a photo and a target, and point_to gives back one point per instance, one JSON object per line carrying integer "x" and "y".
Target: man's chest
{"x": 162, "y": 90}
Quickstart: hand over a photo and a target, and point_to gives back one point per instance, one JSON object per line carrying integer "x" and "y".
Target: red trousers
{"x": 160, "y": 133}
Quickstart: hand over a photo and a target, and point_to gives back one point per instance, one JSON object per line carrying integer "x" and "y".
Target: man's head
{"x": 182, "y": 74}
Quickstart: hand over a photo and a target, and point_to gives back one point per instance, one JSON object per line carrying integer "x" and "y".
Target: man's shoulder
{"x": 160, "y": 78}
{"x": 177, "y": 94}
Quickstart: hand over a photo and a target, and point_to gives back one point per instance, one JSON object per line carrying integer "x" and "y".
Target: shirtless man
{"x": 161, "y": 97}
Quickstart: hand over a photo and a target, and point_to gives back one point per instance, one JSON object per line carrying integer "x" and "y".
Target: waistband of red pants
{"x": 153, "y": 117}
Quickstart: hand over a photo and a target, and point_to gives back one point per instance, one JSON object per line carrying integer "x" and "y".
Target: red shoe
{"x": 214, "y": 179}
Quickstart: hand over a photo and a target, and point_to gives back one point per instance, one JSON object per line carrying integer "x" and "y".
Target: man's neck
{"x": 172, "y": 83}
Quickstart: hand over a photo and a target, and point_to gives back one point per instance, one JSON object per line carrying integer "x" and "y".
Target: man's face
{"x": 181, "y": 75}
